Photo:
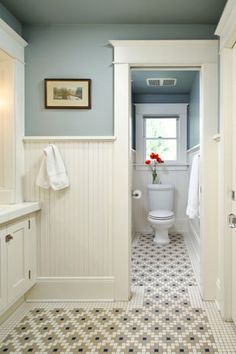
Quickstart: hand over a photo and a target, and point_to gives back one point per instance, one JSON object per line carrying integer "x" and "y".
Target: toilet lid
{"x": 161, "y": 214}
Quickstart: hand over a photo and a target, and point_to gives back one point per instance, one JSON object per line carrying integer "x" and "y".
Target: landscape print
{"x": 68, "y": 93}
{"x": 63, "y": 93}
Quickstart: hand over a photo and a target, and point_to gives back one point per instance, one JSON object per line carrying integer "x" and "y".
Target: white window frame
{"x": 176, "y": 110}
{"x": 177, "y": 138}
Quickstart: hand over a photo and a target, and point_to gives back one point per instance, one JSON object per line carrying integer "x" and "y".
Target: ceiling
{"x": 184, "y": 83}
{"x": 116, "y": 11}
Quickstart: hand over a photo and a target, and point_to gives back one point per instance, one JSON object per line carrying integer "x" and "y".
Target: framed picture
{"x": 68, "y": 93}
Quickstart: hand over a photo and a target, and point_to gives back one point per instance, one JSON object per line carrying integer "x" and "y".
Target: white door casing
{"x": 226, "y": 30}
{"x": 200, "y": 54}
{"x": 234, "y": 189}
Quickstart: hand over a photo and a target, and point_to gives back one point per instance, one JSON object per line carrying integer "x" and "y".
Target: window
{"x": 161, "y": 136}
{"x": 161, "y": 128}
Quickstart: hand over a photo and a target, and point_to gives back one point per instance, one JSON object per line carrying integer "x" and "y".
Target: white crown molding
{"x": 4, "y": 26}
{"x": 161, "y": 42}
{"x": 161, "y": 53}
{"x": 11, "y": 42}
{"x": 226, "y": 28}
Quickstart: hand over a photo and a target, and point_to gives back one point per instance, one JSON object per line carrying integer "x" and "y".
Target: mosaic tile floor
{"x": 166, "y": 314}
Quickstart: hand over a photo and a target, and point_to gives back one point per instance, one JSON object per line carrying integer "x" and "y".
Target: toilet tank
{"x": 160, "y": 196}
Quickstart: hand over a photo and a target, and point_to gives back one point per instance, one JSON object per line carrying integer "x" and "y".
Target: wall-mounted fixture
{"x": 161, "y": 82}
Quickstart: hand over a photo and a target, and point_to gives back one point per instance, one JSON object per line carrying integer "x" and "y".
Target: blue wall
{"x": 194, "y": 114}
{"x": 82, "y": 51}
{"x": 6, "y": 16}
{"x": 147, "y": 98}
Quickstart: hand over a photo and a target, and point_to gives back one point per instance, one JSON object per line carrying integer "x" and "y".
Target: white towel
{"x": 52, "y": 172}
{"x": 193, "y": 193}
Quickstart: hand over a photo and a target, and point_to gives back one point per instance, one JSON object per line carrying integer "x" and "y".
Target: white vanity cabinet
{"x": 18, "y": 259}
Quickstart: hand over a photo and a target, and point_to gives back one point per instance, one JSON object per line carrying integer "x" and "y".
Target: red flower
{"x": 153, "y": 156}
{"x": 147, "y": 162}
{"x": 159, "y": 160}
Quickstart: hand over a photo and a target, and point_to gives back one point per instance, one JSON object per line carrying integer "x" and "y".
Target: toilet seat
{"x": 161, "y": 214}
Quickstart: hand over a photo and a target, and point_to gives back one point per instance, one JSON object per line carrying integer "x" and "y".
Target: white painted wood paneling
{"x": 75, "y": 226}
{"x": 192, "y": 238}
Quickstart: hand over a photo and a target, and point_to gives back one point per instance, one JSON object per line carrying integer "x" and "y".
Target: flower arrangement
{"x": 153, "y": 163}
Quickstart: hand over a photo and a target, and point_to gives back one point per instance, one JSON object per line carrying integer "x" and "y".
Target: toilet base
{"x": 161, "y": 237}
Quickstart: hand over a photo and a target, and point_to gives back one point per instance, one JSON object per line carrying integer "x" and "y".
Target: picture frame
{"x": 67, "y": 93}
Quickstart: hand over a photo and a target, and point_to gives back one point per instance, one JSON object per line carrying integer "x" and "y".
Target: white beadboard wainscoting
{"x": 192, "y": 237}
{"x": 176, "y": 175}
{"x": 75, "y": 245}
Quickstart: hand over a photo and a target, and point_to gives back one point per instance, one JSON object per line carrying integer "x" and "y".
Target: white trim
{"x": 158, "y": 109}
{"x": 159, "y": 42}
{"x": 194, "y": 148}
{"x": 11, "y": 42}
{"x": 226, "y": 29}
{"x": 203, "y": 54}
{"x": 17, "y": 38}
{"x": 187, "y": 53}
{"x": 72, "y": 289}
{"x": 35, "y": 139}
{"x": 192, "y": 243}
{"x": 122, "y": 183}
{"x": 162, "y": 167}
{"x": 218, "y": 294}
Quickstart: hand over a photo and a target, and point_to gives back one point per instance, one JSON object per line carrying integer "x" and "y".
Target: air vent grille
{"x": 161, "y": 82}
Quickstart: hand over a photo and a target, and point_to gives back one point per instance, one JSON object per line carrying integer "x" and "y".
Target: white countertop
{"x": 10, "y": 212}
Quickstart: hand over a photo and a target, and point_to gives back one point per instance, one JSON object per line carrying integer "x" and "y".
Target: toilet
{"x": 161, "y": 215}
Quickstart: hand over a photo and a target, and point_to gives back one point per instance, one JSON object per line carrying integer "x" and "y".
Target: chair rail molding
{"x": 200, "y": 54}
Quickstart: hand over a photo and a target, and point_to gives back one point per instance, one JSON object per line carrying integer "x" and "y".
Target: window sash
{"x": 145, "y": 138}
{"x": 145, "y": 119}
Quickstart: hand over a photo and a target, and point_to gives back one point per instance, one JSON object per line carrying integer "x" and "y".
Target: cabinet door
{"x": 3, "y": 270}
{"x": 17, "y": 259}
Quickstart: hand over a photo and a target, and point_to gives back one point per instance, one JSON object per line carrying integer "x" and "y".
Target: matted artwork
{"x": 68, "y": 93}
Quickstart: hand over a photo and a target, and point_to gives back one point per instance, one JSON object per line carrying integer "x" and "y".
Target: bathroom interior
{"x": 166, "y": 121}
{"x": 61, "y": 249}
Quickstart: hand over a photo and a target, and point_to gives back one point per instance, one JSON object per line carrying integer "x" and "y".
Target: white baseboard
{"x": 192, "y": 241}
{"x": 218, "y": 294}
{"x": 181, "y": 225}
{"x": 72, "y": 289}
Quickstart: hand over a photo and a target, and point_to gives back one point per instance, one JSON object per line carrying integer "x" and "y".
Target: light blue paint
{"x": 194, "y": 114}
{"x": 11, "y": 20}
{"x": 82, "y": 51}
{"x": 147, "y": 98}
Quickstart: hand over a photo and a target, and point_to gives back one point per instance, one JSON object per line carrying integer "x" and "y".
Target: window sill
{"x": 163, "y": 167}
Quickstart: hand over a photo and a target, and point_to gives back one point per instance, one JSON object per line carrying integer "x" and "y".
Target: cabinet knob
{"x": 8, "y": 238}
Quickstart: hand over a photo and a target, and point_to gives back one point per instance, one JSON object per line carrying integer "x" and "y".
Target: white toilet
{"x": 161, "y": 215}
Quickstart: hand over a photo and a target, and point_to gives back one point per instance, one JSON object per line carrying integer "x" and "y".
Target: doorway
{"x": 166, "y": 121}
{"x": 188, "y": 54}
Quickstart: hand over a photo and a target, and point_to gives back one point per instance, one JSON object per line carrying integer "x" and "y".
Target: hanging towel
{"x": 193, "y": 193}
{"x": 52, "y": 172}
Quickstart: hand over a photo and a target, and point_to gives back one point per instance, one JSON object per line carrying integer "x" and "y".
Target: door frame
{"x": 226, "y": 30}
{"x": 129, "y": 54}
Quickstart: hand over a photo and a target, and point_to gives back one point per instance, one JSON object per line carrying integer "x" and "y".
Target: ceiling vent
{"x": 161, "y": 82}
